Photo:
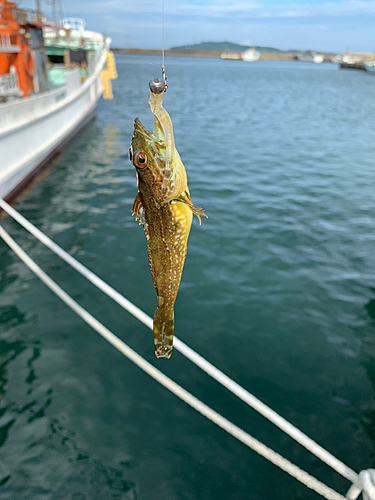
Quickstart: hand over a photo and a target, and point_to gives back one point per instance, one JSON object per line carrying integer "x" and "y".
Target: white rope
{"x": 368, "y": 483}
{"x": 169, "y": 384}
{"x": 353, "y": 492}
{"x": 189, "y": 353}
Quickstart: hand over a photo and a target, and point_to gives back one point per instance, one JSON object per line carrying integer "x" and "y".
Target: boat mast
{"x": 55, "y": 14}
{"x": 37, "y": 8}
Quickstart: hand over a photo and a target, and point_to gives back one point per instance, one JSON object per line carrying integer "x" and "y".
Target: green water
{"x": 278, "y": 291}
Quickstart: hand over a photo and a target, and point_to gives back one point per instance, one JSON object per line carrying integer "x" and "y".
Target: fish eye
{"x": 140, "y": 159}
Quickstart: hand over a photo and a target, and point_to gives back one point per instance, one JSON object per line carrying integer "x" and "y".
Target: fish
{"x": 163, "y": 206}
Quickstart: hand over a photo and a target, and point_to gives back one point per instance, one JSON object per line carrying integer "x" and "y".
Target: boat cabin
{"x": 23, "y": 68}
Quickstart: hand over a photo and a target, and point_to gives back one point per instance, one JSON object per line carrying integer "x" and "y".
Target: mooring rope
{"x": 368, "y": 483}
{"x": 245, "y": 438}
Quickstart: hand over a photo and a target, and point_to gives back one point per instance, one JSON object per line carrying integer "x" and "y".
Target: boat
{"x": 318, "y": 58}
{"x": 337, "y": 59}
{"x": 312, "y": 57}
{"x": 233, "y": 56}
{"x": 352, "y": 61}
{"x": 250, "y": 55}
{"x": 51, "y": 78}
{"x": 349, "y": 58}
{"x": 370, "y": 67}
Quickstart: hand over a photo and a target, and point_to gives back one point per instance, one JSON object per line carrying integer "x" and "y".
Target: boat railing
{"x": 28, "y": 16}
{"x": 5, "y": 40}
{"x": 87, "y": 40}
{"x": 23, "y": 16}
{"x": 74, "y": 23}
{"x": 9, "y": 85}
{"x": 6, "y": 44}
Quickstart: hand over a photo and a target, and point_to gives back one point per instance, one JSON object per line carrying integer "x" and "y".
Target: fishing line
{"x": 164, "y": 81}
{"x": 163, "y": 49}
{"x": 162, "y": 24}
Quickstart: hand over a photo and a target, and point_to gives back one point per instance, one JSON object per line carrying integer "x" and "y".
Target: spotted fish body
{"x": 164, "y": 207}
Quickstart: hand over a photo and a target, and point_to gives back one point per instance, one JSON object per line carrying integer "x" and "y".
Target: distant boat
{"x": 250, "y": 55}
{"x": 318, "y": 58}
{"x": 351, "y": 59}
{"x": 231, "y": 55}
{"x": 336, "y": 59}
{"x": 370, "y": 67}
{"x": 311, "y": 57}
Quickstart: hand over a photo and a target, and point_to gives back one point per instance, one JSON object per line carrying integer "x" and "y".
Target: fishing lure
{"x": 164, "y": 207}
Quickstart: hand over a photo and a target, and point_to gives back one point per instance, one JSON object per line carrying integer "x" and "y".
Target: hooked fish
{"x": 164, "y": 207}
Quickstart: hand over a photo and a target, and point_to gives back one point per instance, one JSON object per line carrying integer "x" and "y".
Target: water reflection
{"x": 367, "y": 408}
{"x": 11, "y": 315}
{"x": 112, "y": 140}
{"x": 6, "y": 275}
{"x": 40, "y": 449}
{"x": 9, "y": 352}
{"x": 42, "y": 453}
{"x": 86, "y": 476}
{"x": 370, "y": 306}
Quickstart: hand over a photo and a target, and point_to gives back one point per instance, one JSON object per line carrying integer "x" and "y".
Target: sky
{"x": 332, "y": 26}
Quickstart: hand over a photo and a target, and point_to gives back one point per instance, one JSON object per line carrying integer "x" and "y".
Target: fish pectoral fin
{"x": 138, "y": 211}
{"x": 198, "y": 211}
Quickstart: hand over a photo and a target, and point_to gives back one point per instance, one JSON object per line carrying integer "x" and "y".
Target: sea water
{"x": 278, "y": 291}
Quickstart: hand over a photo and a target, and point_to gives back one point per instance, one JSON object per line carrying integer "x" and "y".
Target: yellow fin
{"x": 138, "y": 211}
{"x": 198, "y": 211}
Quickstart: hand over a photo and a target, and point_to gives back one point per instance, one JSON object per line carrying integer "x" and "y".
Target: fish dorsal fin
{"x": 158, "y": 131}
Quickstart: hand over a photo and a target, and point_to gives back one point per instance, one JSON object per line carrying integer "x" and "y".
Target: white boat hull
{"x": 33, "y": 130}
{"x": 250, "y": 55}
{"x": 313, "y": 58}
{"x": 370, "y": 67}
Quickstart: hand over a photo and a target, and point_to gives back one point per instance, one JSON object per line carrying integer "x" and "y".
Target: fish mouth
{"x": 140, "y": 129}
{"x": 143, "y": 140}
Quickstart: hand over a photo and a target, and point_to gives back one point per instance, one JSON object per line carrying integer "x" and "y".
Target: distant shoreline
{"x": 283, "y": 56}
{"x": 265, "y": 56}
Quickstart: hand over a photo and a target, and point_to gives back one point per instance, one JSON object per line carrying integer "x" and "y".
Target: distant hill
{"x": 222, "y": 47}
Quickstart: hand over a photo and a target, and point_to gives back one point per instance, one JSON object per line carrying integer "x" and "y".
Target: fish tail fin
{"x": 163, "y": 333}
